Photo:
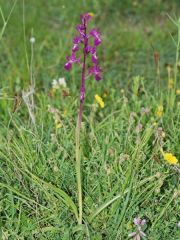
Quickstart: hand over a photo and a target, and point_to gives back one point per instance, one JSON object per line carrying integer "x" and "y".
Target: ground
{"x": 123, "y": 145}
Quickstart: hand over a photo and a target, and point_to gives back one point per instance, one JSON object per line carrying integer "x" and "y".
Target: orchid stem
{"x": 78, "y": 131}
{"x": 78, "y": 163}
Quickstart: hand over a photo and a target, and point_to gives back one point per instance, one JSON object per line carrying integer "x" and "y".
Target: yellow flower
{"x": 58, "y": 124}
{"x": 129, "y": 226}
{"x": 170, "y": 83}
{"x": 99, "y": 100}
{"x": 178, "y": 91}
{"x": 170, "y": 158}
{"x": 154, "y": 124}
{"x": 91, "y": 14}
{"x": 159, "y": 111}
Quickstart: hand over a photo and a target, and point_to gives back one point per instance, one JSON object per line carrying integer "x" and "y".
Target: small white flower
{"x": 54, "y": 83}
{"x": 58, "y": 83}
{"x": 32, "y": 40}
{"x": 62, "y": 82}
{"x": 179, "y": 224}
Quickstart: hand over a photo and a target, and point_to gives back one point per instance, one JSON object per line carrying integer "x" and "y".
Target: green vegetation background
{"x": 113, "y": 163}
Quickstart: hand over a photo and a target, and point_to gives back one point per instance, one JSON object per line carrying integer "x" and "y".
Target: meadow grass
{"x": 124, "y": 173}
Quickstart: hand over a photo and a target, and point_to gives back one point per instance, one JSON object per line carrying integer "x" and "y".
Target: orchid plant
{"x": 83, "y": 39}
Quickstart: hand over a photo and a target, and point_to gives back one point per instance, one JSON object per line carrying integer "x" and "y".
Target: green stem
{"x": 78, "y": 129}
{"x": 78, "y": 164}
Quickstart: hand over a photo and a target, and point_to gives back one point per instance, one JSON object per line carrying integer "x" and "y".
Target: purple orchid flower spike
{"x": 83, "y": 39}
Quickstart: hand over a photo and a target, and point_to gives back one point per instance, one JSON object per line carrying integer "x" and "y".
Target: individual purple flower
{"x": 75, "y": 48}
{"x": 85, "y": 18}
{"x": 97, "y": 41}
{"x": 96, "y": 71}
{"x": 94, "y": 58}
{"x": 77, "y": 39}
{"x": 80, "y": 29}
{"x": 68, "y": 66}
{"x": 98, "y": 77}
{"x": 91, "y": 49}
{"x": 71, "y": 59}
{"x": 137, "y": 221}
{"x": 95, "y": 34}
